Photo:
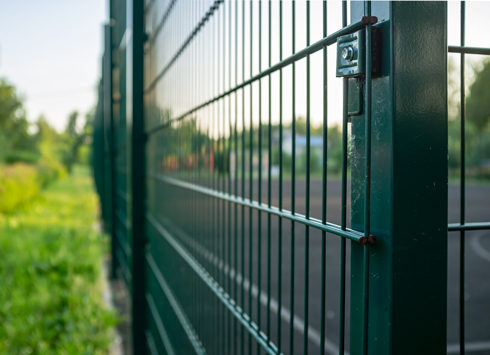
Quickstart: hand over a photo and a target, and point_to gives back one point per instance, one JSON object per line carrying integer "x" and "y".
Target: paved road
{"x": 477, "y": 271}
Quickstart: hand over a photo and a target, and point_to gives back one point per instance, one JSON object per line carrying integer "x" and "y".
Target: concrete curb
{"x": 116, "y": 346}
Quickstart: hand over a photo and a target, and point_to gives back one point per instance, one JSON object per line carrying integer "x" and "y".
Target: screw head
{"x": 348, "y": 53}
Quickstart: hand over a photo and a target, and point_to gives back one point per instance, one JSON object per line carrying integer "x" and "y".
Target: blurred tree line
{"x": 334, "y": 148}
{"x": 193, "y": 143}
{"x": 477, "y": 121}
{"x": 34, "y": 154}
{"x": 40, "y": 143}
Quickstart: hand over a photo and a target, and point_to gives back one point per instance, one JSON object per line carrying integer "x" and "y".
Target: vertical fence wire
{"x": 230, "y": 338}
{"x": 251, "y": 180}
{"x": 462, "y": 188}
{"x": 367, "y": 185}
{"x": 242, "y": 330}
{"x": 279, "y": 241}
{"x": 307, "y": 197}
{"x": 269, "y": 183}
{"x": 293, "y": 179}
{"x": 214, "y": 175}
{"x": 235, "y": 329}
{"x": 343, "y": 217}
{"x": 259, "y": 214}
{"x": 224, "y": 167}
{"x": 324, "y": 187}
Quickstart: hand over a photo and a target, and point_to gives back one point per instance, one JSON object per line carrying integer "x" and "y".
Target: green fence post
{"x": 408, "y": 261}
{"x": 136, "y": 178}
{"x": 109, "y": 144}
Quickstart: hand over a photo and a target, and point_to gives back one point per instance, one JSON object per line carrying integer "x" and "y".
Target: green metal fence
{"x": 462, "y": 227}
{"x": 227, "y": 237}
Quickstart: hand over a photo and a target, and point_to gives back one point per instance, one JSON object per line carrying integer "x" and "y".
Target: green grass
{"x": 50, "y": 274}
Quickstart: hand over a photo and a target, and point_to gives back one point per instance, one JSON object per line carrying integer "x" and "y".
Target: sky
{"x": 51, "y": 51}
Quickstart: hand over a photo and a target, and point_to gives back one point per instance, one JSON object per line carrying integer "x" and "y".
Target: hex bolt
{"x": 348, "y": 53}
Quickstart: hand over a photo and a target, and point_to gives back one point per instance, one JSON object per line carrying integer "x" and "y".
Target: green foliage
{"x": 21, "y": 156}
{"x": 53, "y": 146}
{"x": 21, "y": 182}
{"x": 286, "y": 159}
{"x": 477, "y": 104}
{"x": 315, "y": 162}
{"x": 77, "y": 139}
{"x": 334, "y": 152}
{"x": 14, "y": 135}
{"x": 18, "y": 184}
{"x": 301, "y": 127}
{"x": 50, "y": 275}
{"x": 477, "y": 127}
{"x": 49, "y": 170}
{"x": 18, "y": 144}
{"x": 84, "y": 155}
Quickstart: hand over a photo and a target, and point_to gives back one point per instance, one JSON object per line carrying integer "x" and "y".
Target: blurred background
{"x": 50, "y": 55}
{"x": 52, "y": 251}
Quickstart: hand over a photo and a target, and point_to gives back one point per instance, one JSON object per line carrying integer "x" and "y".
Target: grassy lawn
{"x": 50, "y": 274}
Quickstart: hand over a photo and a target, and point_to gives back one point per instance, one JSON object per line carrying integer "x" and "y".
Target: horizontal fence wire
{"x": 206, "y": 17}
{"x": 468, "y": 50}
{"x": 161, "y": 23}
{"x": 177, "y": 308}
{"x": 161, "y": 329}
{"x": 311, "y": 222}
{"x": 453, "y": 227}
{"x": 221, "y": 190}
{"x": 215, "y": 287}
{"x": 327, "y": 41}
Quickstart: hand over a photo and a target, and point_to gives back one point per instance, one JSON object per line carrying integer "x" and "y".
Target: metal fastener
{"x": 348, "y": 53}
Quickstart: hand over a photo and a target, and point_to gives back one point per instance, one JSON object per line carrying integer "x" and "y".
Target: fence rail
{"x": 213, "y": 117}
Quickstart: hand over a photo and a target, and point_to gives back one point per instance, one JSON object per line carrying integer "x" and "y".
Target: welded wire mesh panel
{"x": 467, "y": 157}
{"x": 249, "y": 153}
{"x": 122, "y": 246}
{"x": 247, "y": 168}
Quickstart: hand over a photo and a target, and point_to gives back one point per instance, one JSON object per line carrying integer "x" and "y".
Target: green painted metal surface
{"x": 217, "y": 232}
{"x": 108, "y": 137}
{"x": 408, "y": 194}
{"x": 135, "y": 126}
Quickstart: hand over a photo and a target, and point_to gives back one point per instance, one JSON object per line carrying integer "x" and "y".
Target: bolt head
{"x": 348, "y": 53}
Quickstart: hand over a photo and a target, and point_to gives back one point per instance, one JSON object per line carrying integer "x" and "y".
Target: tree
{"x": 478, "y": 101}
{"x": 75, "y": 139}
{"x": 15, "y": 141}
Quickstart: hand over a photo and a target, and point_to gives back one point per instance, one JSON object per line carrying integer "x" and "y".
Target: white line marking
{"x": 298, "y": 322}
{"x": 478, "y": 248}
{"x": 473, "y": 346}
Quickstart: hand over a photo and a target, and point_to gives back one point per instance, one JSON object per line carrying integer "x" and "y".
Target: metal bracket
{"x": 351, "y": 54}
{"x": 351, "y": 63}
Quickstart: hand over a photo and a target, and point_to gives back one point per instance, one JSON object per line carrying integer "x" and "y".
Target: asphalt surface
{"x": 477, "y": 265}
